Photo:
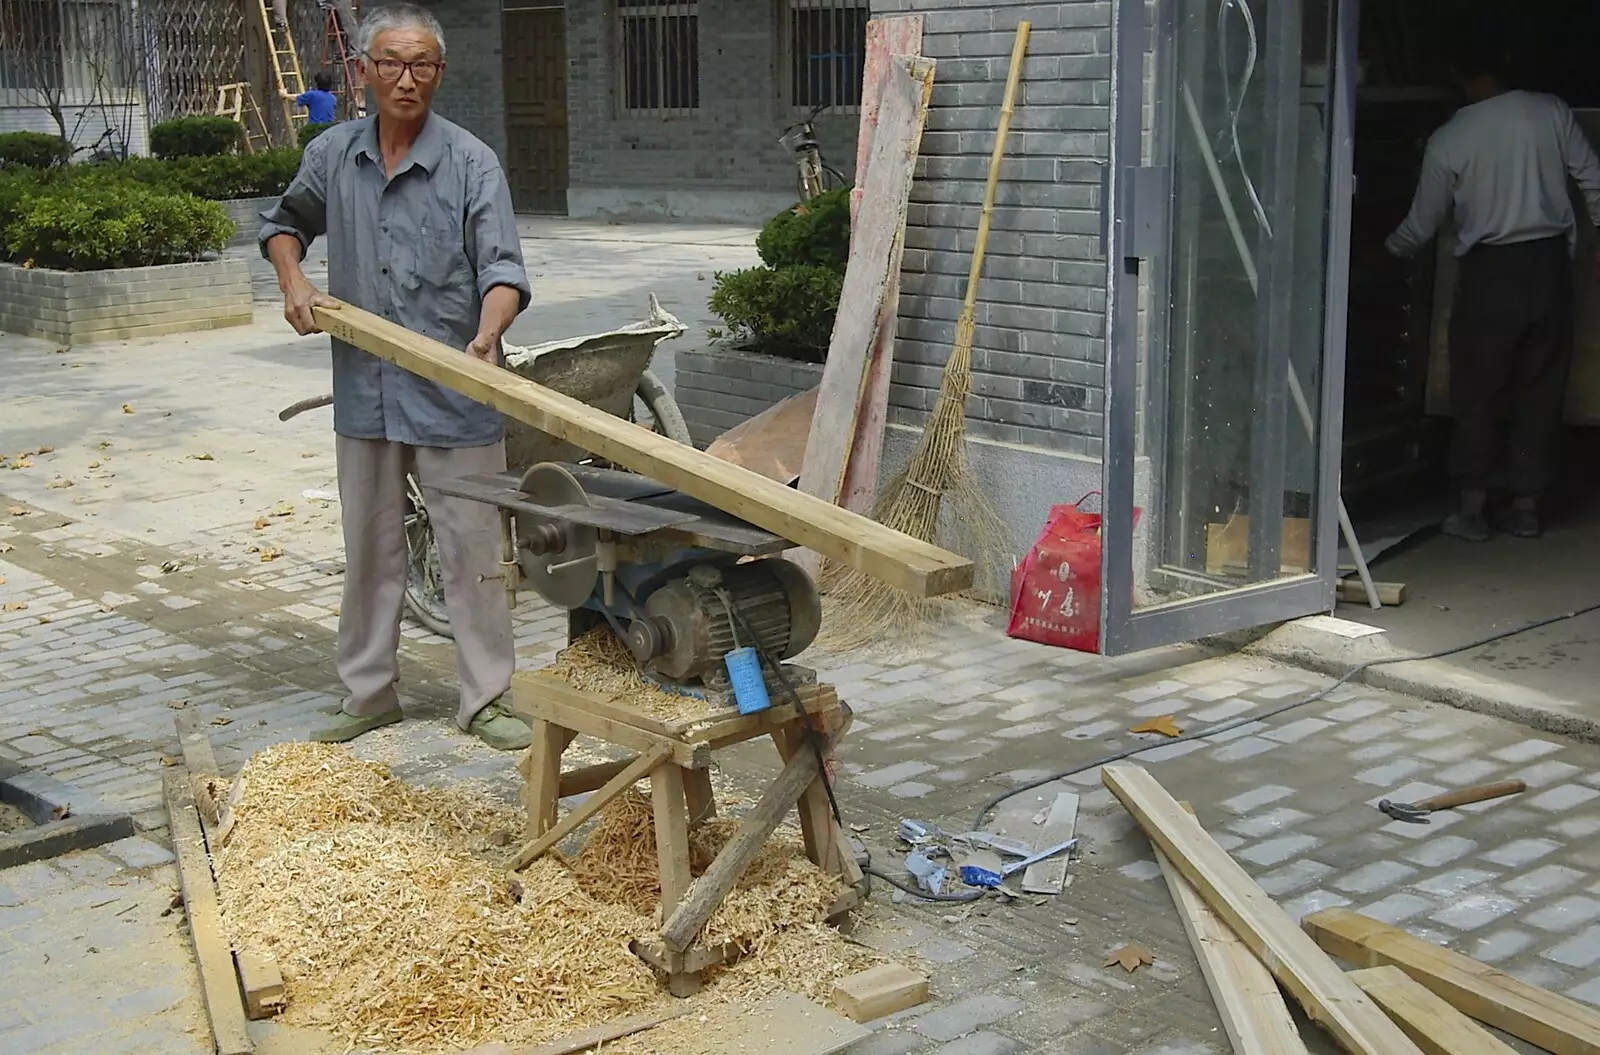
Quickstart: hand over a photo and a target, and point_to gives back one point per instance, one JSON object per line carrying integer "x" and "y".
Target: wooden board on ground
{"x": 773, "y": 443}
{"x": 782, "y": 1024}
{"x": 878, "y": 991}
{"x": 1391, "y": 594}
{"x": 588, "y": 1039}
{"x": 262, "y": 984}
{"x": 213, "y": 956}
{"x": 1050, "y": 875}
{"x": 876, "y": 245}
{"x": 1556, "y": 1023}
{"x": 1438, "y": 1028}
{"x": 1329, "y": 998}
{"x": 915, "y": 567}
{"x": 886, "y": 38}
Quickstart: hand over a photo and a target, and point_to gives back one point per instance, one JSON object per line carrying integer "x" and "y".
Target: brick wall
{"x": 473, "y": 92}
{"x": 1039, "y": 349}
{"x": 72, "y": 307}
{"x": 722, "y": 162}
{"x": 718, "y": 388}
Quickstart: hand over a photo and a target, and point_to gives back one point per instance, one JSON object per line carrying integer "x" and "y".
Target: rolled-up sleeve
{"x": 492, "y": 235}
{"x": 303, "y": 209}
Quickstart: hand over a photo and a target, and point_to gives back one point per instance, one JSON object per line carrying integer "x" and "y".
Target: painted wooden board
{"x": 1330, "y": 998}
{"x": 773, "y": 443}
{"x": 1558, "y": 1024}
{"x": 876, "y": 244}
{"x": 886, "y": 37}
{"x": 1438, "y": 1028}
{"x": 1050, "y": 875}
{"x": 916, "y": 567}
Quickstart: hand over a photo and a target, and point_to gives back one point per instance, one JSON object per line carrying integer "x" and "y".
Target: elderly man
{"x": 420, "y": 230}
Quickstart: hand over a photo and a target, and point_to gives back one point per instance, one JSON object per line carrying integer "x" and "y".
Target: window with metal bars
{"x": 658, "y": 56}
{"x": 827, "y": 51}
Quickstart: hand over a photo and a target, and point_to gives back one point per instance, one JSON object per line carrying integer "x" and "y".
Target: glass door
{"x": 1227, "y": 267}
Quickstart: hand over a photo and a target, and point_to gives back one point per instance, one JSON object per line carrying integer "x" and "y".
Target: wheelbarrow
{"x": 608, "y": 371}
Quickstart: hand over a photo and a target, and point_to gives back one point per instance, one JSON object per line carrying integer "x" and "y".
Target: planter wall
{"x": 246, "y": 216}
{"x": 718, "y": 388}
{"x": 77, "y": 307}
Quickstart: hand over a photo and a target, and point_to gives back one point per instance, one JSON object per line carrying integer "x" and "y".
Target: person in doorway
{"x": 1502, "y": 161}
{"x": 320, "y": 102}
{"x": 420, "y": 231}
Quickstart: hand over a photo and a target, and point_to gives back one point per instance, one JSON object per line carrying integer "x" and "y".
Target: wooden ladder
{"x": 239, "y": 102}
{"x": 336, "y": 48}
{"x": 285, "y": 67}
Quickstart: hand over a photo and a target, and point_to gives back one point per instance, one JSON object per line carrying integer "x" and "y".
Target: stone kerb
{"x": 72, "y": 307}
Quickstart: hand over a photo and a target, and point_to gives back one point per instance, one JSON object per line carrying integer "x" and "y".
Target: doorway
{"x": 535, "y": 55}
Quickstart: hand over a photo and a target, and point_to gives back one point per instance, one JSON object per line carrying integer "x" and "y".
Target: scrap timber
{"x": 915, "y": 567}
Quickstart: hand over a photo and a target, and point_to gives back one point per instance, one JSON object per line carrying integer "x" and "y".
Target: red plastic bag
{"x": 1055, "y": 591}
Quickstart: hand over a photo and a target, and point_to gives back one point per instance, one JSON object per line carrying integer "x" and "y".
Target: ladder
{"x": 336, "y": 48}
{"x": 239, "y": 102}
{"x": 285, "y": 67}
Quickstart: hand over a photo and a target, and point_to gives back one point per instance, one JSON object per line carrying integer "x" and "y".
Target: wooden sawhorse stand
{"x": 676, "y": 756}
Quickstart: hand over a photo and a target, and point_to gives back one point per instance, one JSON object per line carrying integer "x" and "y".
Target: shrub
{"x": 93, "y": 227}
{"x": 33, "y": 150}
{"x": 262, "y": 175}
{"x": 310, "y": 131}
{"x": 195, "y": 137}
{"x": 786, "y": 311}
{"x": 812, "y": 232}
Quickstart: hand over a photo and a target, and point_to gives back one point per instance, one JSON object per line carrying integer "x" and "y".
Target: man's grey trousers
{"x": 372, "y": 492}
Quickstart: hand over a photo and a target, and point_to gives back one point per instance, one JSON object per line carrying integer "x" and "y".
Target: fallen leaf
{"x": 261, "y": 523}
{"x": 17, "y": 606}
{"x": 1130, "y": 957}
{"x": 168, "y": 760}
{"x": 203, "y": 456}
{"x": 859, "y": 827}
{"x": 103, "y": 445}
{"x": 22, "y": 462}
{"x": 45, "y": 450}
{"x": 177, "y": 705}
{"x": 44, "y": 619}
{"x": 1163, "y": 725}
{"x": 127, "y": 408}
{"x": 222, "y": 719}
{"x": 269, "y": 553}
{"x": 94, "y": 465}
{"x": 283, "y": 509}
{"x": 170, "y": 566}
{"x": 17, "y": 511}
{"x": 6, "y": 547}
{"x": 2, "y": 580}
{"x": 60, "y": 485}
{"x": 309, "y": 454}
{"x": 62, "y": 812}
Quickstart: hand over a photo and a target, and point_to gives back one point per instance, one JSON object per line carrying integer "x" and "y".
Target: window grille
{"x": 658, "y": 56}
{"x": 827, "y": 53}
{"x": 67, "y": 52}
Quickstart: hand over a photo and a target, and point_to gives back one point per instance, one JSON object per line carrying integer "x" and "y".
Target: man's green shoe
{"x": 346, "y": 727}
{"x": 500, "y": 729}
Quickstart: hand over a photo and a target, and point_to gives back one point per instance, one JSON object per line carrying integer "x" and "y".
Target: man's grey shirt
{"x": 420, "y": 248}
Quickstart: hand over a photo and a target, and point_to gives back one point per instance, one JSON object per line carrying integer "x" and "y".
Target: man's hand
{"x": 299, "y": 297}
{"x": 485, "y": 346}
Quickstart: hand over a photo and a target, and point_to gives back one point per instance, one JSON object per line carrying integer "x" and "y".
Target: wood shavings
{"x": 597, "y": 662}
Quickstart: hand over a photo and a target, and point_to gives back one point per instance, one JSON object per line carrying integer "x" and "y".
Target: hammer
{"x": 1417, "y": 812}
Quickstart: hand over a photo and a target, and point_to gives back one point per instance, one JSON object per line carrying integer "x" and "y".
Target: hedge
{"x": 91, "y": 228}
{"x": 193, "y": 137}
{"x": 33, "y": 150}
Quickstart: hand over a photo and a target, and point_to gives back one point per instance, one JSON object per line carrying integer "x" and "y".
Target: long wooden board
{"x": 918, "y": 568}
{"x": 1061, "y": 823}
{"x": 1328, "y": 997}
{"x": 876, "y": 244}
{"x": 1556, "y": 1023}
{"x": 1438, "y": 1028}
{"x": 213, "y": 956}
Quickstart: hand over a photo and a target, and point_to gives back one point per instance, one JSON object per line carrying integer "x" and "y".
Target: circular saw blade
{"x": 566, "y": 578}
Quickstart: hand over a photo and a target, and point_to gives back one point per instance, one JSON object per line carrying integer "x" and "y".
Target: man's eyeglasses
{"x": 423, "y": 71}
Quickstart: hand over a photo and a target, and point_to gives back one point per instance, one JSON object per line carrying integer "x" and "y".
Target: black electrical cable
{"x": 971, "y": 895}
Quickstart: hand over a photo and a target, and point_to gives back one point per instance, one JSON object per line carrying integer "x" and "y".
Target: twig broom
{"x": 913, "y": 500}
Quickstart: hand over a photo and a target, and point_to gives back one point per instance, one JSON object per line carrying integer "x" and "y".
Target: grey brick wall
{"x": 72, "y": 307}
{"x": 1039, "y": 349}
{"x": 473, "y": 92}
{"x": 246, "y": 216}
{"x": 722, "y": 162}
{"x": 717, "y": 388}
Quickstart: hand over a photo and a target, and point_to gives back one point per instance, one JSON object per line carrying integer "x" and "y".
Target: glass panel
{"x": 1236, "y": 372}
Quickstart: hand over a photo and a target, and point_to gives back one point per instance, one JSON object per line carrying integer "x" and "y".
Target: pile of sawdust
{"x": 597, "y": 662}
{"x": 386, "y": 906}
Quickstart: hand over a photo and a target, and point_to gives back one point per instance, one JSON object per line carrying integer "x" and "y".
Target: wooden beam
{"x": 1391, "y": 594}
{"x": 1438, "y": 1028}
{"x": 918, "y": 568}
{"x": 1050, "y": 875}
{"x": 1558, "y": 1024}
{"x": 869, "y": 995}
{"x": 640, "y": 768}
{"x": 1331, "y": 999}
{"x": 212, "y": 954}
{"x": 262, "y": 984}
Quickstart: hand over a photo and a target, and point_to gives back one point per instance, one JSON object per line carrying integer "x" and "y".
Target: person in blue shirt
{"x": 320, "y": 100}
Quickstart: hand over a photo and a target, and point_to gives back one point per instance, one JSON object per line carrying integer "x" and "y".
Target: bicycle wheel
{"x": 833, "y": 179}
{"x": 424, "y": 594}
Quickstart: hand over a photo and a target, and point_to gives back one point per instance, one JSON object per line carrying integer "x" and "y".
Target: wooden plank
{"x": 915, "y": 567}
{"x": 541, "y": 776}
{"x": 1438, "y": 1028}
{"x": 1330, "y": 998}
{"x": 1389, "y": 593}
{"x": 701, "y": 797}
{"x": 604, "y": 1034}
{"x": 773, "y": 443}
{"x": 595, "y": 703}
{"x": 821, "y": 702}
{"x": 886, "y": 37}
{"x": 684, "y": 924}
{"x": 261, "y": 982}
{"x": 1060, "y": 824}
{"x": 877, "y": 241}
{"x": 1558, "y": 1024}
{"x": 816, "y": 812}
{"x": 878, "y": 991}
{"x": 672, "y": 838}
{"x": 213, "y": 956}
{"x": 204, "y": 774}
{"x": 636, "y": 771}
{"x": 784, "y": 1023}
{"x": 568, "y": 708}
{"x": 591, "y": 778}
{"x": 1247, "y": 998}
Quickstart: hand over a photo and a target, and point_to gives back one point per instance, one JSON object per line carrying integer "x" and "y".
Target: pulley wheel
{"x": 565, "y": 578}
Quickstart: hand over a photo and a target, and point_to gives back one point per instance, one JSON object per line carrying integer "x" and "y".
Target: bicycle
{"x": 816, "y": 175}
